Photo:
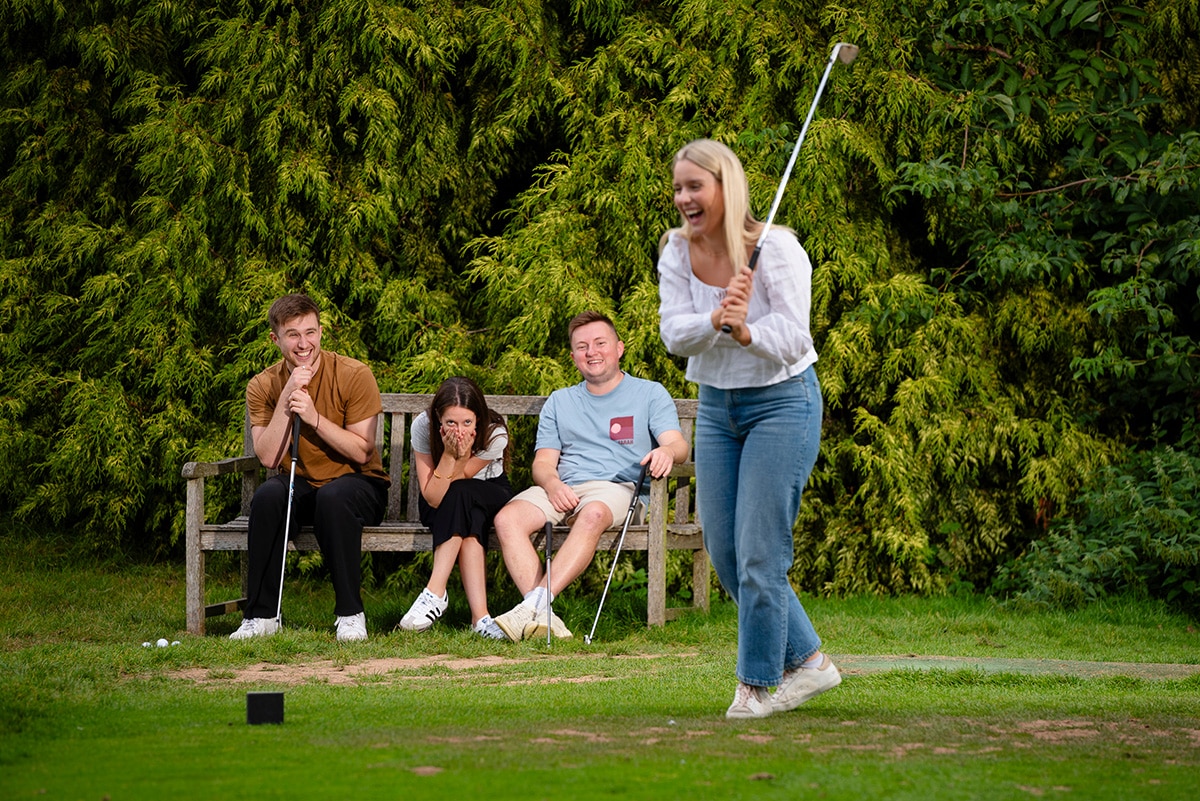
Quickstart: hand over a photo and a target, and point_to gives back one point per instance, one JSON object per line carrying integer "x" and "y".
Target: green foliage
{"x": 1041, "y": 323}
{"x": 1136, "y": 528}
{"x": 999, "y": 200}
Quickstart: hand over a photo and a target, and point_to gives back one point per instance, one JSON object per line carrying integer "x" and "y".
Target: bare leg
{"x": 514, "y": 525}
{"x": 443, "y": 562}
{"x": 472, "y": 567}
{"x": 575, "y": 555}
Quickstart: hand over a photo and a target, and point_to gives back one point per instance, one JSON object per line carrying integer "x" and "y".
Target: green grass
{"x": 87, "y": 712}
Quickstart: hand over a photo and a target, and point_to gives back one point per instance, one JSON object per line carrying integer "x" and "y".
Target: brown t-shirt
{"x": 344, "y": 391}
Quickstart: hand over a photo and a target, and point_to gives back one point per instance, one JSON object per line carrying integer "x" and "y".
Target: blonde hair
{"x": 740, "y": 228}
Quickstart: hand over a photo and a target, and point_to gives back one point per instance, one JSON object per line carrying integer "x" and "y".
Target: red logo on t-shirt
{"x": 620, "y": 429}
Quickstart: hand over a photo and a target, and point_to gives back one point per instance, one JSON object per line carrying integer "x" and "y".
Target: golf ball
{"x": 146, "y": 644}
{"x": 162, "y": 643}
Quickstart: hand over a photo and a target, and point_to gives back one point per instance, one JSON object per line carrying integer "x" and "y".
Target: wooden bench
{"x": 670, "y": 520}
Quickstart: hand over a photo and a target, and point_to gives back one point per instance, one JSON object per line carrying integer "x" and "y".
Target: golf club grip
{"x": 753, "y": 264}
{"x": 295, "y": 437}
{"x": 633, "y": 502}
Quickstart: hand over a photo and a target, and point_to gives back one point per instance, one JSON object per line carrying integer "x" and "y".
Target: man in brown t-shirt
{"x": 340, "y": 483}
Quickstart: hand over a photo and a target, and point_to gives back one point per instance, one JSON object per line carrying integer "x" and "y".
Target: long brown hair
{"x": 462, "y": 391}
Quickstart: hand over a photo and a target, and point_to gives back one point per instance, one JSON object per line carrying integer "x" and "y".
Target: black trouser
{"x": 337, "y": 511}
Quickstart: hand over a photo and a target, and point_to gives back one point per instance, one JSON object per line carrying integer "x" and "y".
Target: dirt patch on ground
{"x": 496, "y": 667}
{"x": 326, "y": 671}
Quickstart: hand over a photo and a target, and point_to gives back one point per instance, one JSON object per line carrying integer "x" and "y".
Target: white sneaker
{"x": 486, "y": 627}
{"x": 515, "y": 621}
{"x": 537, "y": 629}
{"x": 256, "y": 627}
{"x": 425, "y": 611}
{"x": 801, "y": 684}
{"x": 749, "y": 702}
{"x": 352, "y": 628}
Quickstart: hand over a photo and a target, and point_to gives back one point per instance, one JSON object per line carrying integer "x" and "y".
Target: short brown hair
{"x": 289, "y": 307}
{"x": 587, "y": 317}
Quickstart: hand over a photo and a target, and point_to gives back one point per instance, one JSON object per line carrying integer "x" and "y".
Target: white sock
{"x": 535, "y": 599}
{"x": 814, "y": 661}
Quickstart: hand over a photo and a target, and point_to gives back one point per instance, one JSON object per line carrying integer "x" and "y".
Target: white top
{"x": 781, "y": 344}
{"x": 493, "y": 453}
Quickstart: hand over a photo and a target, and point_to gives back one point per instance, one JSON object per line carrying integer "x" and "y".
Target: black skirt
{"x": 467, "y": 509}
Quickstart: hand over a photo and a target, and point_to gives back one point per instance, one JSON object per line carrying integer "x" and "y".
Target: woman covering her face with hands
{"x": 459, "y": 448}
{"x": 758, "y": 428}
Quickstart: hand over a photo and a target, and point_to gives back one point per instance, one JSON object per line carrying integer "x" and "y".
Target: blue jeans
{"x": 755, "y": 449}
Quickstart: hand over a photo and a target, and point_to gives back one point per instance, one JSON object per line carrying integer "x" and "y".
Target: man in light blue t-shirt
{"x": 592, "y": 439}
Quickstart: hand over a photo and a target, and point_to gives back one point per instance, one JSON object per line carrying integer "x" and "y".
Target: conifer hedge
{"x": 1000, "y": 200}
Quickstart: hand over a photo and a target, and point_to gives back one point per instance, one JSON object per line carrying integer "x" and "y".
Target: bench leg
{"x": 194, "y": 593}
{"x": 656, "y": 568}
{"x": 701, "y": 570}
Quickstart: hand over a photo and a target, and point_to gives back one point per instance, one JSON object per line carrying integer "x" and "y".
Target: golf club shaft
{"x": 787, "y": 173}
{"x": 549, "y": 596}
{"x": 637, "y": 491}
{"x": 287, "y": 520}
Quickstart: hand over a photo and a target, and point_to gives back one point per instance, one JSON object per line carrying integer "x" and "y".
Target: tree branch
{"x": 995, "y": 51}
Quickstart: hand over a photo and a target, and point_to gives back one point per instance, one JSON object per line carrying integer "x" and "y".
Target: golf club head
{"x": 846, "y": 52}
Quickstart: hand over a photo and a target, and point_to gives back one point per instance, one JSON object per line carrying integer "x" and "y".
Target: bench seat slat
{"x": 405, "y": 537}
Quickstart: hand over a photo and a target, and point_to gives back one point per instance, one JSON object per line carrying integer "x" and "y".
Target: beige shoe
{"x": 537, "y": 629}
{"x": 514, "y": 622}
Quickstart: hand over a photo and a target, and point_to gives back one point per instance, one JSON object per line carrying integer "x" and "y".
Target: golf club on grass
{"x": 637, "y": 491}
{"x": 549, "y": 598}
{"x": 287, "y": 520}
{"x": 846, "y": 53}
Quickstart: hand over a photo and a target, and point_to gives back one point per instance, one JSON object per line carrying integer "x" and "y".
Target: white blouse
{"x": 781, "y": 344}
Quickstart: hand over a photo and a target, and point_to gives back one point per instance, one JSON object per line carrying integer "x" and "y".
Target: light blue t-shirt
{"x": 604, "y": 437}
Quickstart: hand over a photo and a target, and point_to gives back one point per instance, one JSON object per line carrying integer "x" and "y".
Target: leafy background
{"x": 1000, "y": 200}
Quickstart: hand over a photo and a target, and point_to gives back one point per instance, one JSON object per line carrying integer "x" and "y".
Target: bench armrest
{"x": 238, "y": 464}
{"x": 685, "y": 470}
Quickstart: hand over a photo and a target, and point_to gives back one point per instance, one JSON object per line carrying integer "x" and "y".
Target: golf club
{"x": 287, "y": 521}
{"x": 637, "y": 491}
{"x": 549, "y": 597}
{"x": 846, "y": 53}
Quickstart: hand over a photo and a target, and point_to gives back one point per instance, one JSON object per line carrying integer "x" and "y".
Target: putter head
{"x": 846, "y": 52}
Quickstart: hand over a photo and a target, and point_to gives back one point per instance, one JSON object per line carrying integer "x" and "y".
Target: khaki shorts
{"x": 616, "y": 496}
